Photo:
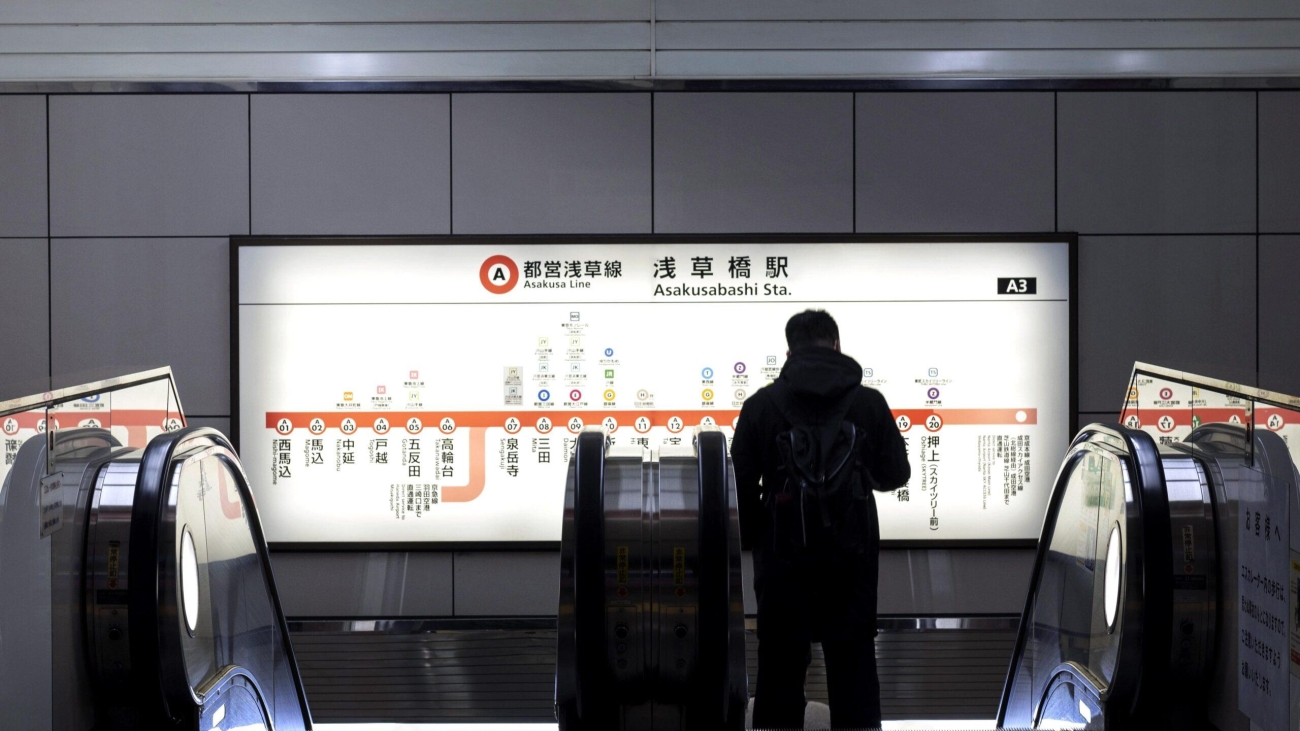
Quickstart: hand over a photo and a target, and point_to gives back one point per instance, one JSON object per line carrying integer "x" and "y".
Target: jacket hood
{"x": 823, "y": 374}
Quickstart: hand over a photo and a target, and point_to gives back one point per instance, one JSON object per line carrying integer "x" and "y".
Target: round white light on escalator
{"x": 1114, "y": 570}
{"x": 189, "y": 581}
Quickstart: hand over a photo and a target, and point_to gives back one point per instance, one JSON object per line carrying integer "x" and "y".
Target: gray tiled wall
{"x": 966, "y": 163}
{"x": 143, "y": 190}
{"x": 1184, "y": 300}
{"x": 23, "y": 209}
{"x": 125, "y": 305}
{"x": 1156, "y": 163}
{"x": 551, "y": 163}
{"x": 351, "y": 164}
{"x": 25, "y": 331}
{"x": 149, "y": 165}
{"x": 753, "y": 162}
{"x": 1279, "y": 313}
{"x": 1279, "y": 162}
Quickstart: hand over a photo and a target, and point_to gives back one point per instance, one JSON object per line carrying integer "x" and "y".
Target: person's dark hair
{"x": 811, "y": 328}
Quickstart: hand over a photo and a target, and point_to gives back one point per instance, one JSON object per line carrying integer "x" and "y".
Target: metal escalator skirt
{"x": 188, "y": 630}
{"x": 1109, "y": 491}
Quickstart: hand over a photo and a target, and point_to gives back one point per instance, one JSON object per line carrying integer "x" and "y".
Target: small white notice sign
{"x": 1264, "y": 582}
{"x": 51, "y": 504}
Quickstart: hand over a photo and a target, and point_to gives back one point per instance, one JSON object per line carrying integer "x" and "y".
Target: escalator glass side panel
{"x": 1086, "y": 602}
{"x": 1169, "y": 404}
{"x": 226, "y": 613}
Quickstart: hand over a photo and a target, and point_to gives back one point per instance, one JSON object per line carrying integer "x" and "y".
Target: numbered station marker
{"x": 317, "y": 426}
{"x": 414, "y": 425}
{"x": 11, "y": 426}
{"x": 933, "y": 422}
{"x": 283, "y": 426}
{"x": 513, "y": 425}
{"x": 1165, "y": 423}
{"x": 675, "y": 424}
{"x": 1275, "y": 422}
{"x": 708, "y": 421}
{"x": 381, "y": 425}
{"x": 642, "y": 424}
{"x": 1133, "y": 422}
{"x": 544, "y": 425}
{"x": 610, "y": 424}
{"x": 903, "y": 422}
{"x": 349, "y": 426}
{"x": 575, "y": 425}
{"x": 447, "y": 425}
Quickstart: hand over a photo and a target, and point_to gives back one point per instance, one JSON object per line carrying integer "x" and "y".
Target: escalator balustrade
{"x": 163, "y": 611}
{"x": 651, "y": 616}
{"x": 1130, "y": 620}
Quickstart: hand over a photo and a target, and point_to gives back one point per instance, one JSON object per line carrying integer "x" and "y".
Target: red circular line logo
{"x": 499, "y": 274}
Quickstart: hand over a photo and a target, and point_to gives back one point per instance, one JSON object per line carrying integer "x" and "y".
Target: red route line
{"x": 559, "y": 418}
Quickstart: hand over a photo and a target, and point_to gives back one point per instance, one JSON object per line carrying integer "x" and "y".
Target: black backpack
{"x": 823, "y": 501}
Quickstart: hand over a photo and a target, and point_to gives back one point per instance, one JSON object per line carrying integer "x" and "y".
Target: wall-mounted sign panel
{"x": 397, "y": 392}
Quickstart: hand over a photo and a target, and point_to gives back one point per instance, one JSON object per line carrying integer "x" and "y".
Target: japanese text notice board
{"x": 417, "y": 391}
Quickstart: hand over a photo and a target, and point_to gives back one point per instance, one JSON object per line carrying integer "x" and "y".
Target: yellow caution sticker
{"x": 679, "y": 566}
{"x": 622, "y": 564}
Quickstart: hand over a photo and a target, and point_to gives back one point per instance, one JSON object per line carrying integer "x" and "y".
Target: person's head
{"x": 812, "y": 329}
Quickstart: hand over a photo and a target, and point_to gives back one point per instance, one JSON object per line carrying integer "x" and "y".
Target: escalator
{"x": 651, "y": 619}
{"x": 1131, "y": 617}
{"x": 163, "y": 611}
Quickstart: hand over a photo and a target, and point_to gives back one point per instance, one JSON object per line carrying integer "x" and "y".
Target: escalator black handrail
{"x": 714, "y": 586}
{"x": 592, "y": 697}
{"x": 1147, "y": 479}
{"x": 158, "y": 680}
{"x": 1157, "y": 573}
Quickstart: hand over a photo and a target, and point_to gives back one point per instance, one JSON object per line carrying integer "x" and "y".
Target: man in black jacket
{"x": 814, "y": 595}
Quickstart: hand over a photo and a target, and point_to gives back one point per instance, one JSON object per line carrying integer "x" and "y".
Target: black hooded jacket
{"x": 815, "y": 380}
{"x": 814, "y": 598}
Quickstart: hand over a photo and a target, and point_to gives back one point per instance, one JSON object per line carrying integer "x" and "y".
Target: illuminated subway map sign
{"x": 432, "y": 391}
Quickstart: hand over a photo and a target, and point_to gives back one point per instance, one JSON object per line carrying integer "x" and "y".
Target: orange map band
{"x": 625, "y": 418}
